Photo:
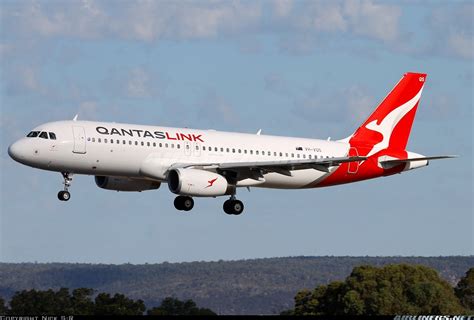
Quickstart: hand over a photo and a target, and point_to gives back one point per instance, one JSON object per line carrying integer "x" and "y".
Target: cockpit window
{"x": 52, "y": 136}
{"x": 33, "y": 134}
{"x": 43, "y": 135}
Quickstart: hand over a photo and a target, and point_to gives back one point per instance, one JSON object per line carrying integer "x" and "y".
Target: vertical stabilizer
{"x": 389, "y": 126}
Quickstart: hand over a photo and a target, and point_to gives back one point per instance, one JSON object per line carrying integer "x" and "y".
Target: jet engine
{"x": 198, "y": 183}
{"x": 125, "y": 184}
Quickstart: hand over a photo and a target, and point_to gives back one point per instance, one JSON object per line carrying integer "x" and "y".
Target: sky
{"x": 312, "y": 69}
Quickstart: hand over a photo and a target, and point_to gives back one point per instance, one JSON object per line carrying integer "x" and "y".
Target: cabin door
{"x": 79, "y": 139}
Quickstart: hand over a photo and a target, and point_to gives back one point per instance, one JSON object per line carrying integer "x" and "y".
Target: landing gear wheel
{"x": 188, "y": 203}
{"x": 183, "y": 203}
{"x": 234, "y": 207}
{"x": 64, "y": 195}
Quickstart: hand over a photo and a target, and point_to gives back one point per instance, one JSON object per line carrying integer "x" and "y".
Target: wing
{"x": 256, "y": 169}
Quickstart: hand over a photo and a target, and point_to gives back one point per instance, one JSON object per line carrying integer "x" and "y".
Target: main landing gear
{"x": 233, "y": 206}
{"x": 65, "y": 195}
{"x": 183, "y": 203}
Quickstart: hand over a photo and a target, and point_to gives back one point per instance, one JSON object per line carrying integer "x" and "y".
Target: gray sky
{"x": 306, "y": 68}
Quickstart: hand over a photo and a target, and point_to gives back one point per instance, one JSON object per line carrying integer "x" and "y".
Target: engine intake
{"x": 198, "y": 183}
{"x": 125, "y": 184}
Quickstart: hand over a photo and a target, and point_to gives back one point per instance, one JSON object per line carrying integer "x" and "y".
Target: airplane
{"x": 209, "y": 163}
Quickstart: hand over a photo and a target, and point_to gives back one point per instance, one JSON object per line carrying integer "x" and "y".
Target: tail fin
{"x": 389, "y": 126}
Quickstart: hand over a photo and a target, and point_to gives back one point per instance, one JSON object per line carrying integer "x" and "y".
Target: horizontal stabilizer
{"x": 400, "y": 161}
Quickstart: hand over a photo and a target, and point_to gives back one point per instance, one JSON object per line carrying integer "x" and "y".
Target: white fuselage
{"x": 137, "y": 151}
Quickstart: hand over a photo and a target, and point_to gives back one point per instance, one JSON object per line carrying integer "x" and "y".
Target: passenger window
{"x": 161, "y": 145}
{"x": 197, "y": 147}
{"x": 187, "y": 146}
{"x": 52, "y": 136}
{"x": 118, "y": 141}
{"x": 166, "y": 145}
{"x": 274, "y": 154}
{"x": 124, "y": 142}
{"x": 148, "y": 144}
{"x": 227, "y": 149}
{"x": 136, "y": 143}
{"x": 154, "y": 144}
{"x": 245, "y": 151}
{"x": 178, "y": 146}
{"x": 111, "y": 140}
{"x": 99, "y": 140}
{"x": 89, "y": 139}
{"x": 204, "y": 148}
{"x": 281, "y": 154}
{"x": 233, "y": 150}
{"x": 172, "y": 146}
{"x": 222, "y": 149}
{"x": 286, "y": 154}
{"x": 93, "y": 139}
{"x": 105, "y": 140}
{"x": 43, "y": 135}
{"x": 292, "y": 155}
{"x": 142, "y": 143}
{"x": 240, "y": 151}
{"x": 298, "y": 155}
{"x": 251, "y": 151}
{"x": 33, "y": 134}
{"x": 256, "y": 152}
{"x": 215, "y": 149}
{"x": 269, "y": 153}
{"x": 130, "y": 142}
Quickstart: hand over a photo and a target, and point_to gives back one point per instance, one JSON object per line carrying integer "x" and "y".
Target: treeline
{"x": 80, "y": 302}
{"x": 368, "y": 290}
{"x": 256, "y": 286}
{"x": 390, "y": 290}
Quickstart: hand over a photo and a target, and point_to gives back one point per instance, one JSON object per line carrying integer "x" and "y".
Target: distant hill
{"x": 257, "y": 286}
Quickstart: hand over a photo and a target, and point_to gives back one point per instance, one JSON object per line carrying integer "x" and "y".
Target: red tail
{"x": 384, "y": 133}
{"x": 389, "y": 126}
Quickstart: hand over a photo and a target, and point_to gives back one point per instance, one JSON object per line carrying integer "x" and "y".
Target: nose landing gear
{"x": 65, "y": 195}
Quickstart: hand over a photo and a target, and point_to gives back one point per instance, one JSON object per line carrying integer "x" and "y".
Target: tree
{"x": 465, "y": 290}
{"x": 3, "y": 307}
{"x": 173, "y": 307}
{"x": 81, "y": 301}
{"x": 41, "y": 302}
{"x": 117, "y": 305}
{"x": 393, "y": 289}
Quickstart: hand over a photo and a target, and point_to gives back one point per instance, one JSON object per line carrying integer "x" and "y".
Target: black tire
{"x": 226, "y": 207}
{"x": 178, "y": 203}
{"x": 64, "y": 195}
{"x": 187, "y": 203}
{"x": 237, "y": 207}
{"x": 233, "y": 207}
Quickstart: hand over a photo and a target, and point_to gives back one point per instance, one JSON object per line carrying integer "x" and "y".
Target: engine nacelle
{"x": 198, "y": 183}
{"x": 125, "y": 184}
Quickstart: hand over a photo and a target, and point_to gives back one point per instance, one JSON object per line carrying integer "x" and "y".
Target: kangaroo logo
{"x": 385, "y": 128}
{"x": 211, "y": 182}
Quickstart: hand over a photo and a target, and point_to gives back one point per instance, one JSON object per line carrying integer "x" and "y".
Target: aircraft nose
{"x": 16, "y": 151}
